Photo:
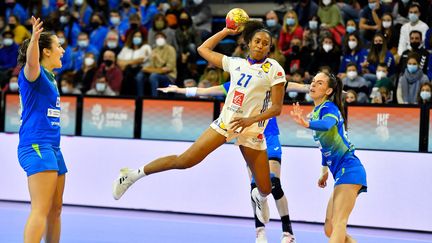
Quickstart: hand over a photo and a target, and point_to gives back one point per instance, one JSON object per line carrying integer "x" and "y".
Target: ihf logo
{"x": 176, "y": 120}
{"x": 382, "y": 128}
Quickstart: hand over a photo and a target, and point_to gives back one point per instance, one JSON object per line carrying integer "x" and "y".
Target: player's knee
{"x": 56, "y": 210}
{"x": 276, "y": 191}
{"x": 265, "y": 190}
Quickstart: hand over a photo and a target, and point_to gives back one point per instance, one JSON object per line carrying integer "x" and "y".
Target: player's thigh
{"x": 258, "y": 163}
{"x": 42, "y": 187}
{"x": 344, "y": 198}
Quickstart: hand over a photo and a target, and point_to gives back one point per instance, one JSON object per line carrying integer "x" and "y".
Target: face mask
{"x": 88, "y": 61}
{"x": 350, "y": 29}
{"x": 372, "y": 5}
{"x": 126, "y": 5}
{"x": 378, "y": 47}
{"x": 13, "y": 86}
{"x": 100, "y": 87}
{"x": 295, "y": 49}
{"x": 352, "y": 74}
{"x": 271, "y": 22}
{"x": 63, "y": 19}
{"x": 308, "y": 97}
{"x": 61, "y": 40}
{"x": 405, "y": 1}
{"x": 112, "y": 44}
{"x": 292, "y": 94}
{"x": 327, "y": 47}
{"x": 160, "y": 41}
{"x": 198, "y": 2}
{"x": 79, "y": 2}
{"x": 83, "y": 43}
{"x": 425, "y": 95}
{"x": 326, "y": 2}
{"x": 352, "y": 44}
{"x": 137, "y": 41}
{"x": 413, "y": 17}
{"x": 115, "y": 20}
{"x": 290, "y": 21}
{"x": 415, "y": 45}
{"x": 94, "y": 25}
{"x": 65, "y": 90}
{"x": 134, "y": 26}
{"x": 159, "y": 25}
{"x": 7, "y": 41}
{"x": 12, "y": 26}
{"x": 108, "y": 63}
{"x": 313, "y": 25}
{"x": 386, "y": 24}
{"x": 412, "y": 68}
{"x": 381, "y": 74}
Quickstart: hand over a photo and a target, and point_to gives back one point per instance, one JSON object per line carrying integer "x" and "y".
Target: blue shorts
{"x": 37, "y": 158}
{"x": 351, "y": 172}
{"x": 274, "y": 149}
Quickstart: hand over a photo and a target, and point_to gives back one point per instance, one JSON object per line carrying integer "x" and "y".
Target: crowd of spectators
{"x": 381, "y": 49}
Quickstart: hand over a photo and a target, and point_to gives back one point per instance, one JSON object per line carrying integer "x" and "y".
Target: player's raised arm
{"x": 31, "y": 68}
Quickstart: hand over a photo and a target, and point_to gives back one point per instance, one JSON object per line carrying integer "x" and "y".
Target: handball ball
{"x": 235, "y": 18}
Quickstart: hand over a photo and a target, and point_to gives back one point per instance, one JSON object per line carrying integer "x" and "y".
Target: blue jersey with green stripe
{"x": 272, "y": 126}
{"x": 333, "y": 143}
{"x": 40, "y": 109}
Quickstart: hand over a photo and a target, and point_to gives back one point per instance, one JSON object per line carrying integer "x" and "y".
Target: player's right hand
{"x": 169, "y": 89}
{"x": 322, "y": 181}
{"x": 37, "y": 27}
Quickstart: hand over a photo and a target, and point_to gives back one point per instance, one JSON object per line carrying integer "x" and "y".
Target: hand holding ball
{"x": 236, "y": 18}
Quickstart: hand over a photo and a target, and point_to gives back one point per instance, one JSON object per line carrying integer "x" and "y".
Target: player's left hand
{"x": 241, "y": 123}
{"x": 297, "y": 115}
{"x": 322, "y": 181}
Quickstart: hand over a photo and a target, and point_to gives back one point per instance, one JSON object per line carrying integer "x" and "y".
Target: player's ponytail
{"x": 336, "y": 96}
{"x": 22, "y": 52}
{"x": 45, "y": 41}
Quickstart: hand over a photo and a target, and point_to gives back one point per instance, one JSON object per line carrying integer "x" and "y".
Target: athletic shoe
{"x": 287, "y": 238}
{"x": 122, "y": 183}
{"x": 261, "y": 235}
{"x": 261, "y": 206}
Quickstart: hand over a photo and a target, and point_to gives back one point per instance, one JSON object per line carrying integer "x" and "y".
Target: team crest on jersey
{"x": 266, "y": 66}
{"x": 238, "y": 98}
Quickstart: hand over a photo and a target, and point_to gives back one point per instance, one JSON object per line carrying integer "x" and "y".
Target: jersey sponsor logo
{"x": 235, "y": 109}
{"x": 266, "y": 67}
{"x": 53, "y": 113}
{"x": 258, "y": 139}
{"x": 238, "y": 98}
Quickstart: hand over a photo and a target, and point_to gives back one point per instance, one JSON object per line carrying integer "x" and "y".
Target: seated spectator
{"x": 424, "y": 95}
{"x": 212, "y": 76}
{"x": 414, "y": 24}
{"x": 293, "y": 57}
{"x": 296, "y": 77}
{"x": 110, "y": 70}
{"x": 160, "y": 25}
{"x": 8, "y": 56}
{"x": 67, "y": 58}
{"x": 20, "y": 33}
{"x": 400, "y": 11}
{"x": 416, "y": 46}
{"x": 370, "y": 19}
{"x": 67, "y": 84}
{"x": 410, "y": 81}
{"x": 353, "y": 81}
{"x": 112, "y": 42}
{"x": 290, "y": 29}
{"x": 98, "y": 31}
{"x": 382, "y": 96}
{"x": 350, "y": 97}
{"x": 85, "y": 75}
{"x": 331, "y": 18}
{"x": 69, "y": 25}
{"x": 126, "y": 9}
{"x": 82, "y": 12}
{"x": 328, "y": 54}
{"x": 162, "y": 70}
{"x": 132, "y": 58}
{"x": 272, "y": 24}
{"x": 304, "y": 10}
{"x": 12, "y": 85}
{"x": 16, "y": 9}
{"x": 353, "y": 52}
{"x": 311, "y": 34}
{"x": 382, "y": 79}
{"x": 101, "y": 87}
{"x": 117, "y": 24}
{"x": 134, "y": 26}
{"x": 390, "y": 33}
{"x": 83, "y": 46}
{"x": 351, "y": 27}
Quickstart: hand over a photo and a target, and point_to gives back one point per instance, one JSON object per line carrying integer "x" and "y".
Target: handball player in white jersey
{"x": 255, "y": 95}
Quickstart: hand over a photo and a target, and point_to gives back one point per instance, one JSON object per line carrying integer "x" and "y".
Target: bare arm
{"x": 32, "y": 66}
{"x": 210, "y": 91}
{"x": 292, "y": 86}
{"x": 206, "y": 49}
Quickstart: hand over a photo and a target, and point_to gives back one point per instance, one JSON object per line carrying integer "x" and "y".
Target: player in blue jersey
{"x": 258, "y": 81}
{"x": 39, "y": 136}
{"x": 274, "y": 154}
{"x": 328, "y": 125}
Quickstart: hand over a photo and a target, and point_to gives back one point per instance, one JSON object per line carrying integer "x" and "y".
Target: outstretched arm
{"x": 32, "y": 66}
{"x": 319, "y": 125}
{"x": 194, "y": 91}
{"x": 293, "y": 86}
{"x": 206, "y": 49}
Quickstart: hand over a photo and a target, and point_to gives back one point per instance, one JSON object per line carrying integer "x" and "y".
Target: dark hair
{"x": 253, "y": 27}
{"x": 351, "y": 64}
{"x": 45, "y": 41}
{"x": 415, "y": 5}
{"x": 347, "y": 50}
{"x": 383, "y": 64}
{"x": 419, "y": 99}
{"x": 416, "y": 32}
{"x": 336, "y": 84}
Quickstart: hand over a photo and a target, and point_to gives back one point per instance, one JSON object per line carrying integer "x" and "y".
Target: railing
{"x": 373, "y": 127}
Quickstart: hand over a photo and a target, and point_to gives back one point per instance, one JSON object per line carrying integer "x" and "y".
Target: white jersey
{"x": 250, "y": 91}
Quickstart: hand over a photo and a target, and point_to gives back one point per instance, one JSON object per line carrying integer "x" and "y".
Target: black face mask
{"x": 296, "y": 49}
{"x": 134, "y": 26}
{"x": 126, "y": 5}
{"x": 94, "y": 25}
{"x": 108, "y": 63}
{"x": 12, "y": 26}
{"x": 272, "y": 48}
{"x": 415, "y": 45}
{"x": 184, "y": 22}
{"x": 378, "y": 47}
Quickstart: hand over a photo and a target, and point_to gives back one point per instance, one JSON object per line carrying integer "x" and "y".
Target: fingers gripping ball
{"x": 236, "y": 18}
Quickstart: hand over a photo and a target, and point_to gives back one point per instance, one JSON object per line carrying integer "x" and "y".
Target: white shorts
{"x": 250, "y": 140}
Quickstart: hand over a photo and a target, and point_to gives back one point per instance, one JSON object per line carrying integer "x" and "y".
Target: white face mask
{"x": 115, "y": 20}
{"x": 160, "y": 41}
{"x": 352, "y": 74}
{"x": 198, "y": 2}
{"x": 352, "y": 44}
{"x": 425, "y": 95}
{"x": 61, "y": 40}
{"x": 7, "y": 41}
{"x": 13, "y": 86}
{"x": 326, "y": 2}
{"x": 83, "y": 43}
{"x": 65, "y": 90}
{"x": 100, "y": 87}
{"x": 79, "y": 2}
{"x": 292, "y": 94}
{"x": 308, "y": 97}
{"x": 112, "y": 44}
{"x": 380, "y": 75}
{"x": 88, "y": 61}
{"x": 386, "y": 24}
{"x": 327, "y": 47}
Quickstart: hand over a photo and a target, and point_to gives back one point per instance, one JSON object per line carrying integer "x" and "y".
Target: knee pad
{"x": 277, "y": 191}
